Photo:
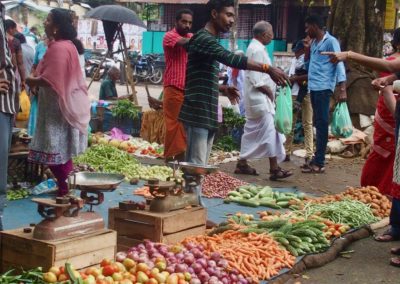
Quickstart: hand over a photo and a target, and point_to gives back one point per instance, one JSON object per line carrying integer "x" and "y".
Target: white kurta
{"x": 260, "y": 138}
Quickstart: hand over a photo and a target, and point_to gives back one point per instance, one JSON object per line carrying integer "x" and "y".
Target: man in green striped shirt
{"x": 200, "y": 106}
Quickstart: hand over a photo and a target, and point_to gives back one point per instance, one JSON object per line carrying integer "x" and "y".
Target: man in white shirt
{"x": 260, "y": 138}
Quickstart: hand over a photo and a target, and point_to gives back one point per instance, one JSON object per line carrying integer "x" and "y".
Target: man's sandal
{"x": 395, "y": 261}
{"x": 245, "y": 169}
{"x": 395, "y": 251}
{"x": 279, "y": 173}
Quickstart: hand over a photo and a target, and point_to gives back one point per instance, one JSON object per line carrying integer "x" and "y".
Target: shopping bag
{"x": 284, "y": 111}
{"x": 33, "y": 115}
{"x": 24, "y": 106}
{"x": 341, "y": 125}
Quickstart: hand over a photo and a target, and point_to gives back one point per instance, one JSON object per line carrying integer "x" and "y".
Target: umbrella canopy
{"x": 11, "y": 4}
{"x": 115, "y": 13}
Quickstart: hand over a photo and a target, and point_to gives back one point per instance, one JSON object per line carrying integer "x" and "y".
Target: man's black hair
{"x": 218, "y": 5}
{"x": 182, "y": 12}
{"x": 316, "y": 20}
{"x": 20, "y": 37}
{"x": 9, "y": 24}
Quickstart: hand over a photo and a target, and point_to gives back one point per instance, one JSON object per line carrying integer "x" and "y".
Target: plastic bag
{"x": 341, "y": 125}
{"x": 284, "y": 111}
{"x": 44, "y": 187}
{"x": 25, "y": 106}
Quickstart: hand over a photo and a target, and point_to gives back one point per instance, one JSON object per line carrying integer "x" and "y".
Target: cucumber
{"x": 248, "y": 203}
{"x": 277, "y": 234}
{"x": 306, "y": 239}
{"x": 254, "y": 191}
{"x": 227, "y": 201}
{"x": 253, "y": 230}
{"x": 286, "y": 228}
{"x": 234, "y": 194}
{"x": 286, "y": 198}
{"x": 292, "y": 250}
{"x": 283, "y": 241}
{"x": 293, "y": 238}
{"x": 244, "y": 191}
{"x": 269, "y": 204}
{"x": 303, "y": 232}
{"x": 283, "y": 204}
{"x": 272, "y": 224}
{"x": 246, "y": 195}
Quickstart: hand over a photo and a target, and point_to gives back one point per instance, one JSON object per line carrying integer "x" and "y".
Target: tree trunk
{"x": 359, "y": 26}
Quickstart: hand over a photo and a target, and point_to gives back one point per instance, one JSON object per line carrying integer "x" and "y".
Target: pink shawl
{"x": 60, "y": 68}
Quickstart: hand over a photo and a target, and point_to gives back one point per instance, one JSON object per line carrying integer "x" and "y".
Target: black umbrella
{"x": 115, "y": 13}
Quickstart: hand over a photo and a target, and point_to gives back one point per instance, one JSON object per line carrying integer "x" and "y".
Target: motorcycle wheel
{"x": 157, "y": 76}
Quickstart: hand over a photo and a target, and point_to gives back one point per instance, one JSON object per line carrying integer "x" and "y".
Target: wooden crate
{"x": 21, "y": 250}
{"x": 135, "y": 226}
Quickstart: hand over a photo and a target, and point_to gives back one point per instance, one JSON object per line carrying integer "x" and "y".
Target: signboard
{"x": 390, "y": 15}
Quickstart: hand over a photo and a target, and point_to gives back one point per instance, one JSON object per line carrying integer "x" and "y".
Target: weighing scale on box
{"x": 63, "y": 217}
{"x": 177, "y": 194}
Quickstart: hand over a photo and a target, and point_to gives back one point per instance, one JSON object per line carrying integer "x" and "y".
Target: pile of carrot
{"x": 257, "y": 256}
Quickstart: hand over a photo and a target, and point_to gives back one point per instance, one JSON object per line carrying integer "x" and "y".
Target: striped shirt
{"x": 200, "y": 106}
{"x": 9, "y": 101}
{"x": 175, "y": 60}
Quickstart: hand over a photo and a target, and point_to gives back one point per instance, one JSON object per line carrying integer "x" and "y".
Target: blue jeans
{"x": 6, "y": 122}
{"x": 199, "y": 143}
{"x": 320, "y": 105}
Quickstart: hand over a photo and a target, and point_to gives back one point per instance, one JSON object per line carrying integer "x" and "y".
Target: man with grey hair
{"x": 260, "y": 138}
{"x": 108, "y": 91}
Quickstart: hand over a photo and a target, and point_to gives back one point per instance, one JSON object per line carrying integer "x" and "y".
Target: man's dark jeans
{"x": 320, "y": 105}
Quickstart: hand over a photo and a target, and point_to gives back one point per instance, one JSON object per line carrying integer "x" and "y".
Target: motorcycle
{"x": 147, "y": 67}
{"x": 93, "y": 68}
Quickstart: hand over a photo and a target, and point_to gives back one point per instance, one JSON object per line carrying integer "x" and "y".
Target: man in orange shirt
{"x": 174, "y": 84}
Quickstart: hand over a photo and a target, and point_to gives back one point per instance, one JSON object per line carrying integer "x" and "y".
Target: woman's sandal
{"x": 387, "y": 237}
{"x": 279, "y": 174}
{"x": 245, "y": 169}
{"x": 313, "y": 169}
{"x": 395, "y": 261}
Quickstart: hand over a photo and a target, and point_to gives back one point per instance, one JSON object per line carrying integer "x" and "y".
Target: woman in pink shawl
{"x": 63, "y": 106}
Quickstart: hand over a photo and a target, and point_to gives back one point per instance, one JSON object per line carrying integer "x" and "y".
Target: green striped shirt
{"x": 200, "y": 105}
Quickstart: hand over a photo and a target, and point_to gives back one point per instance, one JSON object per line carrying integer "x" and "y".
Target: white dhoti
{"x": 261, "y": 140}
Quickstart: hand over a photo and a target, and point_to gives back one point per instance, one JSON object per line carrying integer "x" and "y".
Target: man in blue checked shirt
{"x": 323, "y": 76}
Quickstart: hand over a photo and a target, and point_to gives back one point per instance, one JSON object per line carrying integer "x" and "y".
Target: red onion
{"x": 197, "y": 267}
{"x": 195, "y": 281}
{"x": 179, "y": 256}
{"x": 213, "y": 280}
{"x": 196, "y": 253}
{"x": 181, "y": 267}
{"x": 202, "y": 262}
{"x": 120, "y": 256}
{"x": 189, "y": 259}
{"x": 216, "y": 256}
{"x": 170, "y": 269}
{"x": 212, "y": 263}
{"x": 203, "y": 276}
{"x": 223, "y": 263}
{"x": 225, "y": 280}
{"x": 210, "y": 270}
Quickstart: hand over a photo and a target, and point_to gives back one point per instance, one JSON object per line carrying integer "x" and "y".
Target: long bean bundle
{"x": 351, "y": 212}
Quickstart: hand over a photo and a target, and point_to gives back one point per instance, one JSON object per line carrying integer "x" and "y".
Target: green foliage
{"x": 150, "y": 12}
{"x": 41, "y": 16}
{"x": 125, "y": 109}
{"x": 232, "y": 119}
{"x": 226, "y": 144}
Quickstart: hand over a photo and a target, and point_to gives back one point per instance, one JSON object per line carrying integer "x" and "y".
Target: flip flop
{"x": 245, "y": 170}
{"x": 395, "y": 261}
{"x": 387, "y": 237}
{"x": 395, "y": 251}
{"x": 313, "y": 169}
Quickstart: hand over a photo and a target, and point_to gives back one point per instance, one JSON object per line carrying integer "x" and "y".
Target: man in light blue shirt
{"x": 323, "y": 76}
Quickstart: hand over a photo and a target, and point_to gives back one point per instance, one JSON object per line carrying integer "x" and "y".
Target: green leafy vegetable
{"x": 125, "y": 109}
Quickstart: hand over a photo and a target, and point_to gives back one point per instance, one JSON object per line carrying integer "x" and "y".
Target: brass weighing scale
{"x": 174, "y": 194}
{"x": 62, "y": 216}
